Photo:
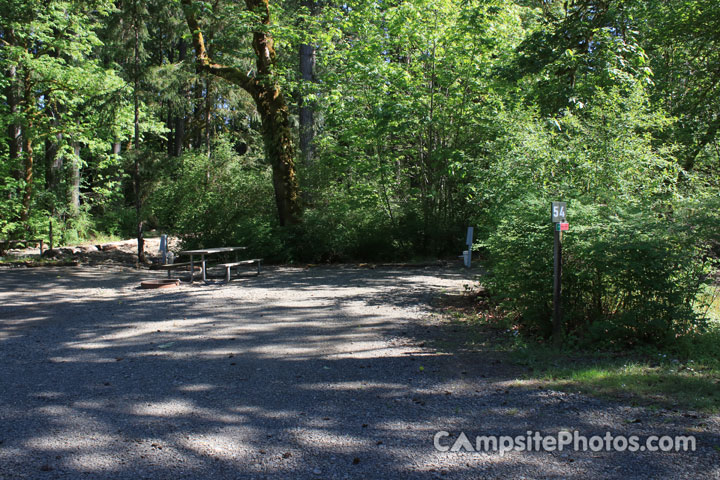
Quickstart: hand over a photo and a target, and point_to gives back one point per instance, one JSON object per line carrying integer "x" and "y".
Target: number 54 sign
{"x": 558, "y": 212}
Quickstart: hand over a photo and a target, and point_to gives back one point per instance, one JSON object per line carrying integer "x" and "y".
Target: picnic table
{"x": 203, "y": 252}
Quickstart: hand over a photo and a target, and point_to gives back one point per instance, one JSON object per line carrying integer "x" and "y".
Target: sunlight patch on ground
{"x": 349, "y": 386}
{"x": 228, "y": 444}
{"x": 174, "y": 408}
{"x": 197, "y": 387}
{"x": 94, "y": 462}
{"x": 322, "y": 438}
{"x": 69, "y": 440}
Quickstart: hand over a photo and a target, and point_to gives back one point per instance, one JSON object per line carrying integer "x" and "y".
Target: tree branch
{"x": 263, "y": 43}
{"x": 204, "y": 63}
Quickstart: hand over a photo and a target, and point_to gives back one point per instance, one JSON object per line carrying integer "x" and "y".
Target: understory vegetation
{"x": 374, "y": 131}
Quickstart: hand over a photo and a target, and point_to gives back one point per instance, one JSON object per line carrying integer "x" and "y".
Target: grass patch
{"x": 685, "y": 378}
{"x": 641, "y": 383}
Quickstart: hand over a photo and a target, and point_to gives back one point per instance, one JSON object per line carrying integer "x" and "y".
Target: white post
{"x": 468, "y": 253}
{"x": 163, "y": 248}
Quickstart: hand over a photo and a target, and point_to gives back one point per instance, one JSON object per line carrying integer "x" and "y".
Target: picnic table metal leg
{"x": 204, "y": 273}
{"x": 192, "y": 269}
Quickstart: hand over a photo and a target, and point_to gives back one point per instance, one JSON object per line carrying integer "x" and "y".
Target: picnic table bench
{"x": 175, "y": 266}
{"x": 8, "y": 243}
{"x": 229, "y": 266}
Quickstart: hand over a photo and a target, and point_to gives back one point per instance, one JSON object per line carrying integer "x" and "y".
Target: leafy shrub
{"x": 341, "y": 231}
{"x": 213, "y": 201}
{"x": 630, "y": 275}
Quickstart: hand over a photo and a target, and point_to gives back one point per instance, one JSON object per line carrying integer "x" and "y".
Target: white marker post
{"x": 163, "y": 248}
{"x": 469, "y": 242}
{"x": 558, "y": 213}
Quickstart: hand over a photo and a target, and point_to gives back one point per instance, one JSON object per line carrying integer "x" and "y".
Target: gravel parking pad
{"x": 297, "y": 373}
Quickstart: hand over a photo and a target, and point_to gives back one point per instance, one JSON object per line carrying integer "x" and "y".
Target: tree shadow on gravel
{"x": 320, "y": 373}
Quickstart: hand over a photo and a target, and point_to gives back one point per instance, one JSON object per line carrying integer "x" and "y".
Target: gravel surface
{"x": 299, "y": 373}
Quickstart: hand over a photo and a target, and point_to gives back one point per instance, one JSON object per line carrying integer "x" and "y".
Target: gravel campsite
{"x": 311, "y": 373}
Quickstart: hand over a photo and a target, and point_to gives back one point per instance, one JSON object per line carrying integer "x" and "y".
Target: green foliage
{"x": 339, "y": 228}
{"x": 219, "y": 200}
{"x": 630, "y": 276}
{"x": 636, "y": 256}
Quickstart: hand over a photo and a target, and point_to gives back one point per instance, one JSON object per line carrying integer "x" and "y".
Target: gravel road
{"x": 322, "y": 373}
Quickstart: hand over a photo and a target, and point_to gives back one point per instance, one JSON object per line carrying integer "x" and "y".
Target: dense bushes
{"x": 218, "y": 200}
{"x": 637, "y": 255}
{"x": 630, "y": 276}
{"x": 225, "y": 199}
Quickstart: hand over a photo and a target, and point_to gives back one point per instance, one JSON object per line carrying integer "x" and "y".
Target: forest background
{"x": 314, "y": 131}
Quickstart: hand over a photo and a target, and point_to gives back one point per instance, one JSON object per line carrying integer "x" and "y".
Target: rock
{"x": 108, "y": 247}
{"x": 87, "y": 248}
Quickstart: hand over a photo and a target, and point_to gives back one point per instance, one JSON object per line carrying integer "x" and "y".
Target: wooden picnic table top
{"x": 208, "y": 251}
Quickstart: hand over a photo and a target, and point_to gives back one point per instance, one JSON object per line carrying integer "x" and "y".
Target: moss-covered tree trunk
{"x": 279, "y": 147}
{"x": 28, "y": 177}
{"x": 270, "y": 103}
{"x": 13, "y": 96}
{"x": 28, "y": 163}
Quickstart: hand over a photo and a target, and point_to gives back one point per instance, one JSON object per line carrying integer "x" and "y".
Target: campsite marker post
{"x": 558, "y": 213}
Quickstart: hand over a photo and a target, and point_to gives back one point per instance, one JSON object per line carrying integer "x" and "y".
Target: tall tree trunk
{"x": 207, "y": 116}
{"x": 277, "y": 137}
{"x": 53, "y": 160}
{"x": 269, "y": 100}
{"x": 28, "y": 158}
{"x": 53, "y": 163}
{"x": 170, "y": 123}
{"x": 136, "y": 138}
{"x": 180, "y": 119}
{"x": 195, "y": 134}
{"x": 14, "y": 131}
{"x": 307, "y": 114}
{"x": 179, "y": 136}
{"x": 28, "y": 177}
{"x": 74, "y": 197}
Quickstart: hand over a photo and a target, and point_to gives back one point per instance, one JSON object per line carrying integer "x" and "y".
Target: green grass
{"x": 641, "y": 383}
{"x": 97, "y": 238}
{"x": 687, "y": 379}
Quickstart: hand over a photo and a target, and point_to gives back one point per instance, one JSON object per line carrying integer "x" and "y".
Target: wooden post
{"x": 557, "y": 218}
{"x": 51, "y": 236}
{"x": 557, "y": 276}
